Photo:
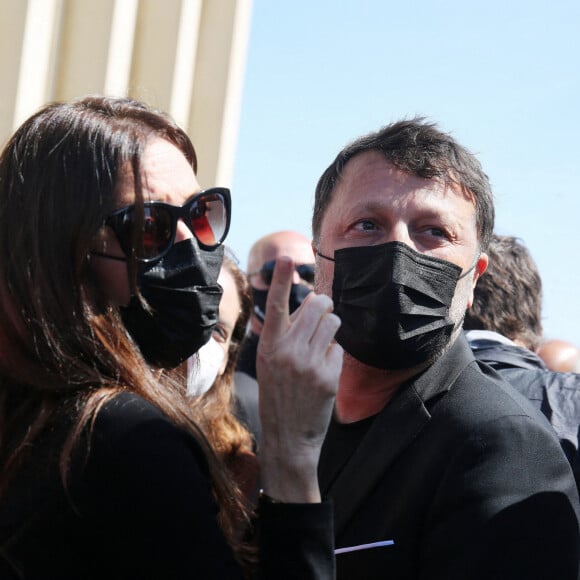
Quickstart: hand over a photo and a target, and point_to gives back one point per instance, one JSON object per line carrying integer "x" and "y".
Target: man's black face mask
{"x": 393, "y": 303}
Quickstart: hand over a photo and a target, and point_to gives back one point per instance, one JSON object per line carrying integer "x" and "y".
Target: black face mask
{"x": 298, "y": 293}
{"x": 393, "y": 303}
{"x": 182, "y": 291}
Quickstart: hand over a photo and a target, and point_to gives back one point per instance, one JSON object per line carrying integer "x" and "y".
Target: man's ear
{"x": 479, "y": 270}
{"x": 314, "y": 249}
{"x": 481, "y": 266}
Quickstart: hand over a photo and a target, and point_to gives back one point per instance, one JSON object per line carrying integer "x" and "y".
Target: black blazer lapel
{"x": 392, "y": 431}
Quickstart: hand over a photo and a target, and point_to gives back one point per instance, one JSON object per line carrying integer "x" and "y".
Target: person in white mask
{"x": 210, "y": 380}
{"x": 211, "y": 362}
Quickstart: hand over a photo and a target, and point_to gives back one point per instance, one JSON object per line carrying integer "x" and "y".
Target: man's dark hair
{"x": 508, "y": 297}
{"x": 418, "y": 148}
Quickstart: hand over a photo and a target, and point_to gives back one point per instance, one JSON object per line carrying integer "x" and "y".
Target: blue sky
{"x": 502, "y": 77}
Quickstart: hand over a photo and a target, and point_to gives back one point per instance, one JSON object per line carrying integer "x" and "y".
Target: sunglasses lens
{"x": 209, "y": 218}
{"x": 156, "y": 232}
{"x": 306, "y": 272}
{"x": 267, "y": 271}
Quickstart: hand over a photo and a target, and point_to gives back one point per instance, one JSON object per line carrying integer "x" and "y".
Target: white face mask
{"x": 201, "y": 373}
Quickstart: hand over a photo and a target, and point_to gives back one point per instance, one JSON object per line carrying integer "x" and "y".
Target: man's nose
{"x": 182, "y": 232}
{"x": 400, "y": 233}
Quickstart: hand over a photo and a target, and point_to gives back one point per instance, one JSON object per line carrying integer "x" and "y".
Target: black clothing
{"x": 464, "y": 475}
{"x": 140, "y": 507}
{"x": 247, "y": 405}
{"x": 341, "y": 442}
{"x": 557, "y": 395}
{"x": 246, "y": 388}
{"x": 247, "y": 360}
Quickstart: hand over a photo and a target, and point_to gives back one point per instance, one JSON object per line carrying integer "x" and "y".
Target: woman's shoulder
{"x": 145, "y": 487}
{"x": 129, "y": 409}
{"x": 130, "y": 432}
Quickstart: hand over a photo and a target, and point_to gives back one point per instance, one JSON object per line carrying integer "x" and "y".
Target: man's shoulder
{"x": 484, "y": 421}
{"x": 563, "y": 381}
{"x": 480, "y": 395}
{"x": 544, "y": 384}
{"x": 500, "y": 352}
{"x": 458, "y": 382}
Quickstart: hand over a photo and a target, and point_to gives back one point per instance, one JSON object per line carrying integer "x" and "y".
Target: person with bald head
{"x": 261, "y": 266}
{"x": 261, "y": 260}
{"x": 560, "y": 355}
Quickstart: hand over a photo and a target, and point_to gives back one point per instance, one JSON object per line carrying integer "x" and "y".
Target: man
{"x": 261, "y": 260}
{"x": 560, "y": 355}
{"x": 436, "y": 469}
{"x": 504, "y": 330}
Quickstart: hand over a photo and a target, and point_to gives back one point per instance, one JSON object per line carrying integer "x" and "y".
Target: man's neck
{"x": 364, "y": 391}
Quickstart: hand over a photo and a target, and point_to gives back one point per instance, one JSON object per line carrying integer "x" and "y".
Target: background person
{"x": 261, "y": 258}
{"x": 109, "y": 258}
{"x": 560, "y": 355}
{"x": 504, "y": 329}
{"x": 436, "y": 469}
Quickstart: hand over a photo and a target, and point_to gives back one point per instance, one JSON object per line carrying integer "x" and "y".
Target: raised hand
{"x": 298, "y": 369}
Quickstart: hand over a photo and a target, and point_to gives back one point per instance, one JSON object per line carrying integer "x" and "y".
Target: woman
{"x": 109, "y": 257}
{"x": 211, "y": 381}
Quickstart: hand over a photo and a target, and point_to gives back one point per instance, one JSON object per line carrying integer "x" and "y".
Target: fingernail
{"x": 285, "y": 263}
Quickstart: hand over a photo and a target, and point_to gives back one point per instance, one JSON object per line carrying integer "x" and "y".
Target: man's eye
{"x": 365, "y": 225}
{"x": 437, "y": 232}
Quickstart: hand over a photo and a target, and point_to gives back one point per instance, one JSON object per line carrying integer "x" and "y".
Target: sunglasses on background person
{"x": 207, "y": 214}
{"x": 305, "y": 271}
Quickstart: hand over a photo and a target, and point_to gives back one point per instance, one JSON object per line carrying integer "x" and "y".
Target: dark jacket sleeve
{"x": 296, "y": 541}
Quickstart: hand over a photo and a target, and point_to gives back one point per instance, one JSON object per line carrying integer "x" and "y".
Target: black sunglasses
{"x": 305, "y": 271}
{"x": 207, "y": 214}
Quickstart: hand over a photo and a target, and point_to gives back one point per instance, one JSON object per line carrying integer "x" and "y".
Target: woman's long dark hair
{"x": 64, "y": 350}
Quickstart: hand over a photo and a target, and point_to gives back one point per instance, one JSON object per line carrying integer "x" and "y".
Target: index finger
{"x": 277, "y": 317}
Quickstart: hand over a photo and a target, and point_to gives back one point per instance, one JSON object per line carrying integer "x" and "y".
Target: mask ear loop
{"x": 470, "y": 269}
{"x": 319, "y": 253}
